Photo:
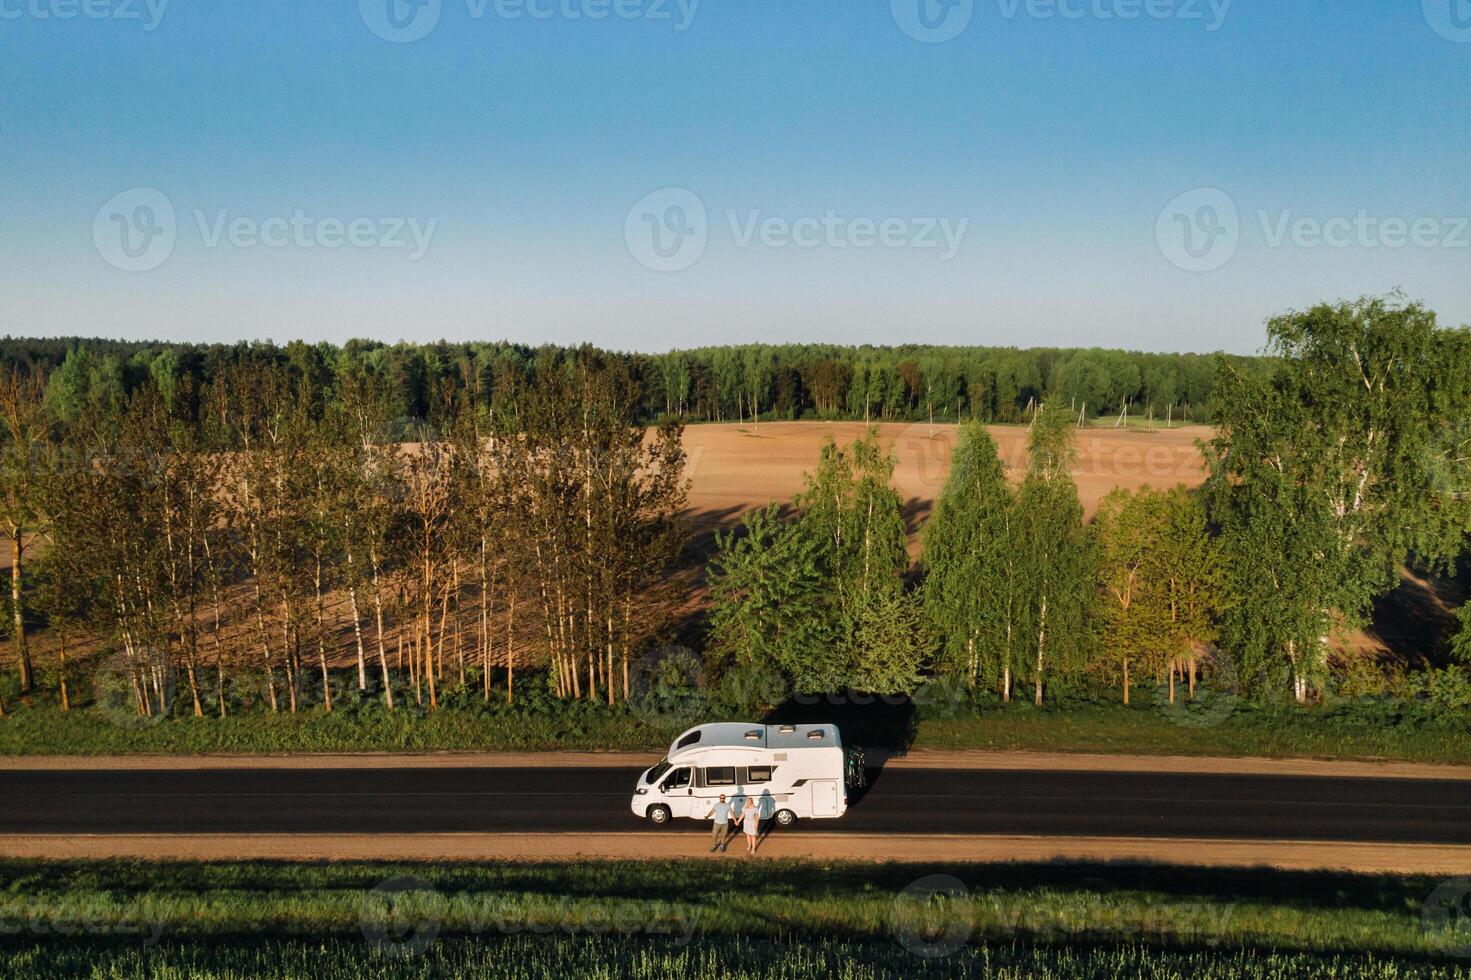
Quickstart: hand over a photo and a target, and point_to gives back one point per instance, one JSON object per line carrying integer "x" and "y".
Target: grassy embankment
{"x": 1377, "y": 730}
{"x": 761, "y": 918}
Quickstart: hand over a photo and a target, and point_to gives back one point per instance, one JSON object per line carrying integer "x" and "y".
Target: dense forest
{"x": 708, "y": 384}
{"x": 210, "y": 523}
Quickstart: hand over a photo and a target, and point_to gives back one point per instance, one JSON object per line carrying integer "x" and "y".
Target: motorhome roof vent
{"x": 816, "y": 733}
{"x": 788, "y": 729}
{"x": 753, "y": 735}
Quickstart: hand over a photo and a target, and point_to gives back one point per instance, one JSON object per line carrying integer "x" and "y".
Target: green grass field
{"x": 790, "y": 919}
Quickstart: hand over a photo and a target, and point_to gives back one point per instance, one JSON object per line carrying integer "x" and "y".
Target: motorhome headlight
{"x": 641, "y": 791}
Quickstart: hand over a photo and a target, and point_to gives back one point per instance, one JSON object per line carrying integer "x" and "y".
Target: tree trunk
{"x": 66, "y": 704}
{"x": 18, "y": 617}
{"x": 378, "y": 621}
{"x": 1041, "y": 647}
{"x": 511, "y": 647}
{"x": 1126, "y": 680}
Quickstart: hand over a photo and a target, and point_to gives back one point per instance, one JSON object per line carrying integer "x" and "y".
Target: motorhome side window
{"x": 688, "y": 740}
{"x": 720, "y": 776}
{"x": 679, "y": 779}
{"x": 759, "y": 774}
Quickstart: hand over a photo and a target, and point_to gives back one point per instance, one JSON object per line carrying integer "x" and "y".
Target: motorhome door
{"x": 825, "y": 798}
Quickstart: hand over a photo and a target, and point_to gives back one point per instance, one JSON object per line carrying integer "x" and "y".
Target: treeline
{"x": 218, "y": 521}
{"x": 219, "y": 540}
{"x": 709, "y": 384}
{"x": 1348, "y": 460}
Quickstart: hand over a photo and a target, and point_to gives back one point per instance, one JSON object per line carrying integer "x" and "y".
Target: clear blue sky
{"x": 517, "y": 147}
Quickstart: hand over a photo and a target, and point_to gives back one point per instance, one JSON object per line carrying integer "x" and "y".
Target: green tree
{"x": 25, "y": 441}
{"x": 772, "y": 603}
{"x": 1133, "y": 612}
{"x": 1324, "y": 471}
{"x": 1054, "y": 550}
{"x": 970, "y": 592}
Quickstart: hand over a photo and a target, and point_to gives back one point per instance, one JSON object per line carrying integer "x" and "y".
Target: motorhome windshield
{"x": 657, "y": 772}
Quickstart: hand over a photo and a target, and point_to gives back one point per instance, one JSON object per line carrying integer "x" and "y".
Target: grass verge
{"x": 1372, "y": 730}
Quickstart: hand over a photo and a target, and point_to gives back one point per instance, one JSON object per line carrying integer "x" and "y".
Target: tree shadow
{"x": 1414, "y": 623}
{"x": 882, "y": 724}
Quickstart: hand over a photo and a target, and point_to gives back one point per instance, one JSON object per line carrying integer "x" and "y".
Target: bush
{"x": 1447, "y": 692}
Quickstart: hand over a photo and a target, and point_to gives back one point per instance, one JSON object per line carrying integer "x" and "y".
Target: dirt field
{"x": 734, "y": 469}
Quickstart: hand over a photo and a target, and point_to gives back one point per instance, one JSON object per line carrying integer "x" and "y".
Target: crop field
{"x": 788, "y": 919}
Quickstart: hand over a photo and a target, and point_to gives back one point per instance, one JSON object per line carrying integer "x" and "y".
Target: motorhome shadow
{"x": 792, "y": 772}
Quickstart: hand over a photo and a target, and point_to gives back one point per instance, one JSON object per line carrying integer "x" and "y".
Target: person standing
{"x": 720, "y": 816}
{"x": 751, "y": 824}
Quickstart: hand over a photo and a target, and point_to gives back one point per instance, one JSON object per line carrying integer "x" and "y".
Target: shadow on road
{"x": 883, "y": 725}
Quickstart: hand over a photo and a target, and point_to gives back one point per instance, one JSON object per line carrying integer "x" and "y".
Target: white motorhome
{"x": 791, "y": 771}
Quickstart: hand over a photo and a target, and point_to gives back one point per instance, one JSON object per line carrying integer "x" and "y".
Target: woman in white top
{"x": 751, "y": 824}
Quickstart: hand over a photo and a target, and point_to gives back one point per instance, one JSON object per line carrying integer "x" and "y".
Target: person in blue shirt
{"x": 720, "y": 816}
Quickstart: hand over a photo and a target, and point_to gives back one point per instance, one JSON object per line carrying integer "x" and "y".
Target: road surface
{"x": 595, "y": 800}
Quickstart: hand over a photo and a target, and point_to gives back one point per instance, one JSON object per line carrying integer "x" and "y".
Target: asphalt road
{"x": 591, "y": 801}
